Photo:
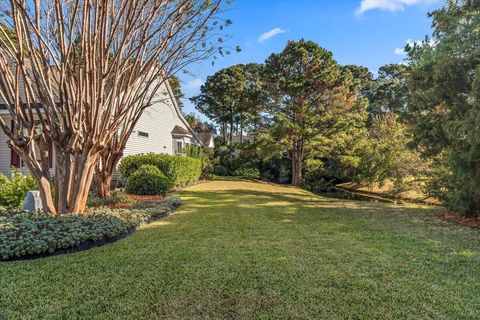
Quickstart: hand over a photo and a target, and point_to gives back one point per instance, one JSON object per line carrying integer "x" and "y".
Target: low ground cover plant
{"x": 35, "y": 233}
{"x": 180, "y": 170}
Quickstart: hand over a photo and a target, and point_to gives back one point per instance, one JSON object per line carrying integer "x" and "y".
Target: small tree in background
{"x": 233, "y": 98}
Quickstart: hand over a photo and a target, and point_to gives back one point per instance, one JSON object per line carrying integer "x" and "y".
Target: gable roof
{"x": 205, "y": 137}
{"x": 179, "y": 130}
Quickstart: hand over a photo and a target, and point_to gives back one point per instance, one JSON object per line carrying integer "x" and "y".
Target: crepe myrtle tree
{"x": 81, "y": 72}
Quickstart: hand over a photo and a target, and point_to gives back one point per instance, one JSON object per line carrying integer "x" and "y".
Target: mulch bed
{"x": 137, "y": 199}
{"x": 454, "y": 218}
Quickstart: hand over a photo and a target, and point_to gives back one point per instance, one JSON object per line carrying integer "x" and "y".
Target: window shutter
{"x": 14, "y": 157}
{"x": 50, "y": 154}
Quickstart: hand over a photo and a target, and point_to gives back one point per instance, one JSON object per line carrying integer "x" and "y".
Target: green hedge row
{"x": 181, "y": 171}
{"x": 26, "y": 234}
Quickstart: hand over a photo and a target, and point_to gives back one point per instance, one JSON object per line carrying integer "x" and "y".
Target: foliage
{"x": 24, "y": 234}
{"x": 389, "y": 92}
{"x": 143, "y": 43}
{"x": 220, "y": 170}
{"x": 147, "y": 179}
{"x": 14, "y": 190}
{"x": 248, "y": 173}
{"x": 116, "y": 198}
{"x": 198, "y": 125}
{"x": 232, "y": 97}
{"x": 180, "y": 170}
{"x": 177, "y": 90}
{"x": 444, "y": 79}
{"x": 386, "y": 156}
{"x": 312, "y": 97}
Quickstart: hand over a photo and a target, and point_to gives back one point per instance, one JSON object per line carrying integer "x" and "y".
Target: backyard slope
{"x": 239, "y": 249}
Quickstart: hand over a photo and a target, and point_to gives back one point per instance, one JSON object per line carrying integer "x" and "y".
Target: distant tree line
{"x": 315, "y": 123}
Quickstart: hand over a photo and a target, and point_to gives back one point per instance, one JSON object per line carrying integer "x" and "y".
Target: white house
{"x": 161, "y": 129}
{"x": 206, "y": 138}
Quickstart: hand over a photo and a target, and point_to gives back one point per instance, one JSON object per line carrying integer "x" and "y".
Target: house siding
{"x": 5, "y": 155}
{"x": 157, "y": 121}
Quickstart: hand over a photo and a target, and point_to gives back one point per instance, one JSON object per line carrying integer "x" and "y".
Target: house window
{"x": 143, "y": 134}
{"x": 179, "y": 146}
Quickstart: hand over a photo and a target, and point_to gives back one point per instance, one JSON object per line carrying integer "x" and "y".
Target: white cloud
{"x": 400, "y": 51}
{"x": 269, "y": 34}
{"x": 389, "y": 5}
{"x": 195, "y": 83}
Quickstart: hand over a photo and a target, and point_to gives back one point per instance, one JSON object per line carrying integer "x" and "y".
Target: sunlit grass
{"x": 238, "y": 249}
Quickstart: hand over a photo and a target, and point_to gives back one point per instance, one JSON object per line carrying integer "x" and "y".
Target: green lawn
{"x": 249, "y": 250}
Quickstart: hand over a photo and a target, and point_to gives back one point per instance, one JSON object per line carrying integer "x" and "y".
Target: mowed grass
{"x": 248, "y": 250}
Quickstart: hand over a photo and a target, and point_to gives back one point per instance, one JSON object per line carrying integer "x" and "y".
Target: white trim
{"x": 179, "y": 113}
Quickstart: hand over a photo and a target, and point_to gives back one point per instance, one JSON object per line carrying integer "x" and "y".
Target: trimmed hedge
{"x": 147, "y": 179}
{"x": 181, "y": 171}
{"x": 31, "y": 234}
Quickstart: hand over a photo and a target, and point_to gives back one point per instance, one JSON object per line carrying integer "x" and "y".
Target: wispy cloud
{"x": 269, "y": 34}
{"x": 400, "y": 51}
{"x": 194, "y": 83}
{"x": 389, "y": 5}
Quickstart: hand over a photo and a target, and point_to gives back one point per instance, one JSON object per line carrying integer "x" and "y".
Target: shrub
{"x": 147, "y": 179}
{"x": 14, "y": 190}
{"x": 249, "y": 173}
{"x": 24, "y": 233}
{"x": 116, "y": 198}
{"x": 220, "y": 170}
{"x": 180, "y": 171}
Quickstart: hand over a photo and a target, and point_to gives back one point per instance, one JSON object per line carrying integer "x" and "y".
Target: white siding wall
{"x": 158, "y": 121}
{"x": 5, "y": 156}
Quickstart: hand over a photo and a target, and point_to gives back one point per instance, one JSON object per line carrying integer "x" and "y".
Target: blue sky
{"x": 370, "y": 33}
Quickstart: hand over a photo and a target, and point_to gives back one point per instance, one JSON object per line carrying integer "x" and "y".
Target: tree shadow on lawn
{"x": 228, "y": 252}
{"x": 295, "y": 202}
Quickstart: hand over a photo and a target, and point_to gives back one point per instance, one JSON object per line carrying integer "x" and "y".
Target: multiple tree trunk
{"x": 79, "y": 72}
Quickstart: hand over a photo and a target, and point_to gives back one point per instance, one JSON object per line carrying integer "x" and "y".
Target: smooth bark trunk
{"x": 104, "y": 173}
{"x": 73, "y": 179}
{"x": 104, "y": 185}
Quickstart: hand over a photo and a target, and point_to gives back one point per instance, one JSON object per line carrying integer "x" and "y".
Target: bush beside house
{"x": 180, "y": 171}
{"x": 14, "y": 190}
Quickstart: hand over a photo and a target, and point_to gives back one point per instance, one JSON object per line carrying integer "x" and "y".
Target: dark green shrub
{"x": 220, "y": 170}
{"x": 249, "y": 173}
{"x": 14, "y": 190}
{"x": 147, "y": 179}
{"x": 180, "y": 171}
{"x": 24, "y": 233}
